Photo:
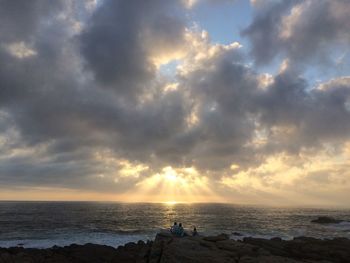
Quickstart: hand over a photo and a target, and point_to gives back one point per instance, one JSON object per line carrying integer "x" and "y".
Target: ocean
{"x": 45, "y": 224}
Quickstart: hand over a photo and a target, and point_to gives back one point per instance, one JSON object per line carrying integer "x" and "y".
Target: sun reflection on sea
{"x": 170, "y": 203}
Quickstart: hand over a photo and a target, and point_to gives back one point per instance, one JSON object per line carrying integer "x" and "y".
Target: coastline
{"x": 167, "y": 248}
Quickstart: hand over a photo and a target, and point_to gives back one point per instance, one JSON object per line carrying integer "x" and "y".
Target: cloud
{"x": 303, "y": 31}
{"x": 84, "y": 104}
{"x": 122, "y": 38}
{"x": 282, "y": 178}
{"x": 50, "y": 99}
{"x": 192, "y": 3}
{"x": 20, "y": 19}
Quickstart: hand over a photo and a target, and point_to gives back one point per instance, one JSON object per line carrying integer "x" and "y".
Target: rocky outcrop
{"x": 326, "y": 220}
{"x": 131, "y": 252}
{"x": 306, "y": 249}
{"x": 213, "y": 249}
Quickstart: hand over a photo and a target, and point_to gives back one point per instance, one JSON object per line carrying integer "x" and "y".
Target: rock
{"x": 306, "y": 248}
{"x": 207, "y": 244}
{"x": 278, "y": 239}
{"x": 169, "y": 249}
{"x": 166, "y": 234}
{"x": 268, "y": 259}
{"x": 326, "y": 220}
{"x": 194, "y": 249}
{"x": 217, "y": 238}
{"x": 240, "y": 248}
{"x": 237, "y": 234}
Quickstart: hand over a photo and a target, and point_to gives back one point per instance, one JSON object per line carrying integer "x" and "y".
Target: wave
{"x": 272, "y": 234}
{"x": 62, "y": 240}
{"x": 342, "y": 226}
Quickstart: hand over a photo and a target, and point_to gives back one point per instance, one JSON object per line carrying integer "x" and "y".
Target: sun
{"x": 172, "y": 186}
{"x": 170, "y": 174}
{"x": 171, "y": 177}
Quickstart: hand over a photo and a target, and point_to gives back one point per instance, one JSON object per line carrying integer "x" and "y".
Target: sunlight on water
{"x": 170, "y": 203}
{"x": 44, "y": 224}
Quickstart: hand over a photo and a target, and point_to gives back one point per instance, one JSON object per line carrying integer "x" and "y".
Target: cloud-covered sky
{"x": 184, "y": 100}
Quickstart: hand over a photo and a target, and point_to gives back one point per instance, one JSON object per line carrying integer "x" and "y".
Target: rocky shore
{"x": 169, "y": 249}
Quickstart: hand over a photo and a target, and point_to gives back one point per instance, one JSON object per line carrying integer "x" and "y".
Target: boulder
{"x": 326, "y": 220}
{"x": 217, "y": 238}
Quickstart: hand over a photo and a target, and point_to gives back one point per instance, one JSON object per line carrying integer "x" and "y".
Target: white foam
{"x": 81, "y": 239}
{"x": 264, "y": 236}
{"x": 343, "y": 226}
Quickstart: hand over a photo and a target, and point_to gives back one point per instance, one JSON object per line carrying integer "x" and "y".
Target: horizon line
{"x": 179, "y": 203}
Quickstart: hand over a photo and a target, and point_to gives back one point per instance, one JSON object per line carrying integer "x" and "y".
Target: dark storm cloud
{"x": 79, "y": 95}
{"x": 311, "y": 117}
{"x": 115, "y": 43}
{"x": 264, "y": 29}
{"x": 223, "y": 95}
{"x": 300, "y": 30}
{"x": 20, "y": 19}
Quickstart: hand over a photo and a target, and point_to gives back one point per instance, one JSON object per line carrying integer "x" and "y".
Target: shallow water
{"x": 44, "y": 224}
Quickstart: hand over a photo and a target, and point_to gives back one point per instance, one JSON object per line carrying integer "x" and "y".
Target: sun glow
{"x": 170, "y": 203}
{"x": 175, "y": 185}
{"x": 170, "y": 174}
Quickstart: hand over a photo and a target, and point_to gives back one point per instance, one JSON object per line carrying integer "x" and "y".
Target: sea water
{"x": 45, "y": 224}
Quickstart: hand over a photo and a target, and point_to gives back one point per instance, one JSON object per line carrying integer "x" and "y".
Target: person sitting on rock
{"x": 181, "y": 231}
{"x": 174, "y": 228}
{"x": 194, "y": 232}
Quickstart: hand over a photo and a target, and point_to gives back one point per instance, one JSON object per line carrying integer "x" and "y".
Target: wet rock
{"x": 169, "y": 249}
{"x": 326, "y": 220}
{"x": 217, "y": 238}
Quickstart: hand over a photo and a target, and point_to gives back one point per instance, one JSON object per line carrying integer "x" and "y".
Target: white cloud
{"x": 20, "y": 50}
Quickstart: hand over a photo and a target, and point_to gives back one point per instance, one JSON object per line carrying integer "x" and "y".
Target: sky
{"x": 233, "y": 101}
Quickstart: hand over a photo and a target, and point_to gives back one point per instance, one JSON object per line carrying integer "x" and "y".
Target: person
{"x": 181, "y": 231}
{"x": 194, "y": 232}
{"x": 174, "y": 228}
